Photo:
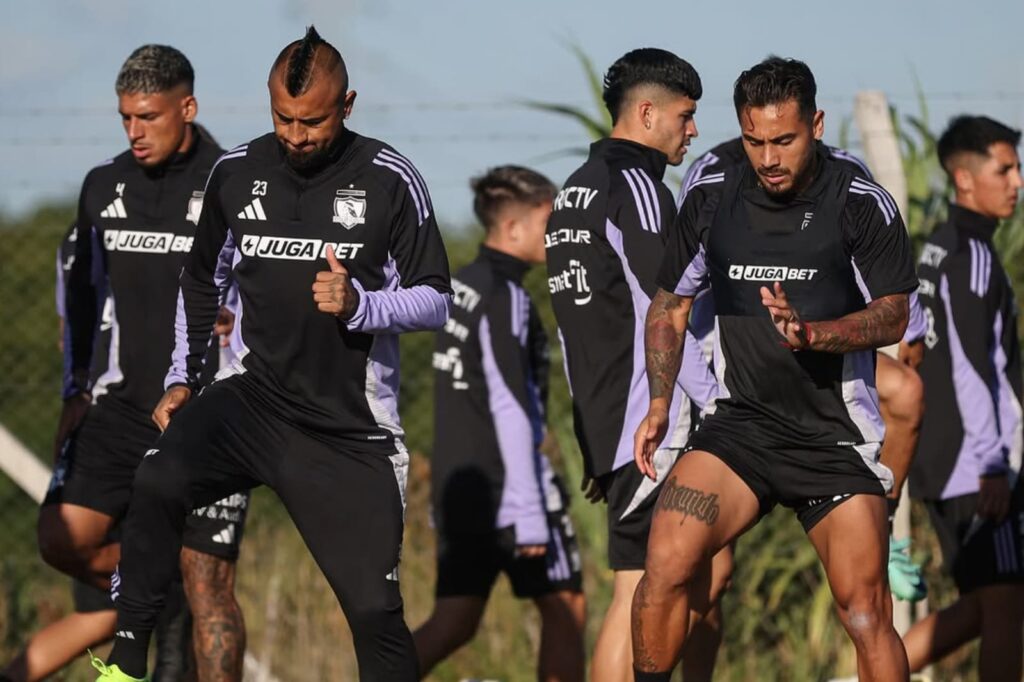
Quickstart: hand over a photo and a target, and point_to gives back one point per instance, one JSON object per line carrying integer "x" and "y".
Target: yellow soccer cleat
{"x": 112, "y": 673}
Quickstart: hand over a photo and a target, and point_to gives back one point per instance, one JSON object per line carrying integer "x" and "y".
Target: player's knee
{"x": 161, "y": 481}
{"x": 56, "y": 545}
{"x": 864, "y": 613}
{"x": 668, "y": 569}
{"x": 906, "y": 403}
{"x": 373, "y": 622}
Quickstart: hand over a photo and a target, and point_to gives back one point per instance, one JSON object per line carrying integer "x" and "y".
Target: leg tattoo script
{"x": 689, "y": 502}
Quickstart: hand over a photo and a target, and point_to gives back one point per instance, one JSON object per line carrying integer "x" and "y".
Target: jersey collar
{"x": 652, "y": 160}
{"x": 966, "y": 219}
{"x": 508, "y": 266}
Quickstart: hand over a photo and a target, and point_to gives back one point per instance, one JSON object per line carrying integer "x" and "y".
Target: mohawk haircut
{"x": 973, "y": 135}
{"x": 154, "y": 68}
{"x": 505, "y": 185}
{"x": 774, "y": 81}
{"x": 303, "y": 60}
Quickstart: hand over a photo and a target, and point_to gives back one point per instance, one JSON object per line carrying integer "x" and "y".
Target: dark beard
{"x": 308, "y": 163}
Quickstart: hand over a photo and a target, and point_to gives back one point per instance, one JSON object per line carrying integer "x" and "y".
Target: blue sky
{"x": 442, "y": 80}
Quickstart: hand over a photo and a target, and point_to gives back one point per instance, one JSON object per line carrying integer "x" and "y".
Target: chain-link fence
{"x": 778, "y": 619}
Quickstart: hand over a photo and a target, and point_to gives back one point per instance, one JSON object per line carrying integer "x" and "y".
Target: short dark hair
{"x": 774, "y": 81}
{"x": 973, "y": 134}
{"x": 648, "y": 66}
{"x": 504, "y": 185}
{"x": 154, "y": 68}
{"x": 299, "y": 60}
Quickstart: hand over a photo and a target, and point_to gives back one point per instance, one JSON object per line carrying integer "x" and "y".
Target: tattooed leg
{"x": 703, "y": 506}
{"x": 218, "y": 630}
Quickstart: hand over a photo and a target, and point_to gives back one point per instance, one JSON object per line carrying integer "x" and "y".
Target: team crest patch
{"x": 350, "y": 208}
{"x": 195, "y": 207}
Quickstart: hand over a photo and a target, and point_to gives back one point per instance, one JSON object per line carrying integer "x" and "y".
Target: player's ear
{"x": 189, "y": 108}
{"x": 348, "y": 102}
{"x": 818, "y": 124}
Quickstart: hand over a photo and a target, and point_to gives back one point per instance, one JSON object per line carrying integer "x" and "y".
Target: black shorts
{"x": 468, "y": 564}
{"x": 96, "y": 468}
{"x": 978, "y": 553}
{"x": 812, "y": 480}
{"x": 631, "y": 497}
{"x": 90, "y": 599}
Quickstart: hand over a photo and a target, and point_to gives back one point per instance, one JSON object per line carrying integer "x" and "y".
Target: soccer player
{"x": 331, "y": 240}
{"x": 136, "y": 221}
{"x": 498, "y": 506}
{"x": 967, "y": 469}
{"x": 783, "y": 242}
{"x": 900, "y": 391}
{"x": 605, "y": 240}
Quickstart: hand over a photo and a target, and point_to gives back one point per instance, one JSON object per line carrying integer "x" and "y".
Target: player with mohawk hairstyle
{"x": 331, "y": 241}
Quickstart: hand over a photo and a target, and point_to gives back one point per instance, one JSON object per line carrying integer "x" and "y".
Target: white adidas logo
{"x": 226, "y": 536}
{"x": 253, "y": 211}
{"x": 393, "y": 575}
{"x": 125, "y": 634}
{"x": 114, "y": 210}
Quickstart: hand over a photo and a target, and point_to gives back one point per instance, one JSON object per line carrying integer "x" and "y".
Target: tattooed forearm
{"x": 663, "y": 341}
{"x": 880, "y": 324}
{"x": 688, "y": 502}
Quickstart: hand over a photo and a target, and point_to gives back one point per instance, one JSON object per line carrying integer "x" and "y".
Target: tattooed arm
{"x": 663, "y": 350}
{"x": 881, "y": 323}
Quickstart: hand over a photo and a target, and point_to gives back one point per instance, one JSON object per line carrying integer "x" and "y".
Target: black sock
{"x": 131, "y": 647}
{"x": 640, "y": 676}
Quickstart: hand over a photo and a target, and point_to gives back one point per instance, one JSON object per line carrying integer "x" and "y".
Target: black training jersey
{"x": 971, "y": 370}
{"x": 708, "y": 168}
{"x": 135, "y": 227}
{"x": 267, "y": 228}
{"x": 491, "y": 383}
{"x": 605, "y": 239}
{"x": 834, "y": 246}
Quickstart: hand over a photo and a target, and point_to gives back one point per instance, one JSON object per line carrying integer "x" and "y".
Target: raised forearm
{"x": 880, "y": 324}
{"x": 663, "y": 342}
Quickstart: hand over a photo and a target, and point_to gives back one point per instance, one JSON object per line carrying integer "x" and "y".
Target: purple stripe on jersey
{"x": 226, "y": 262}
{"x": 382, "y": 378}
{"x": 653, "y": 194}
{"x": 113, "y": 373}
{"x": 1011, "y": 426}
{"x": 695, "y": 374}
{"x": 565, "y": 361}
{"x": 693, "y": 174}
{"x": 648, "y": 199}
{"x": 694, "y": 276}
{"x": 522, "y": 504}
{"x": 981, "y": 451}
{"x": 233, "y": 300}
{"x": 917, "y": 324}
{"x": 639, "y": 397}
{"x": 178, "y": 371}
{"x": 638, "y": 201}
{"x": 60, "y": 284}
{"x": 861, "y": 400}
{"x": 418, "y": 308}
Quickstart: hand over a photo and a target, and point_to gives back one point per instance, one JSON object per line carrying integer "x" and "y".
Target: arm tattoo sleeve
{"x": 880, "y": 324}
{"x": 663, "y": 341}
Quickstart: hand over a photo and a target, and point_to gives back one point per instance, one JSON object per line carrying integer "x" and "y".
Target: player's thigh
{"x": 852, "y": 542}
{"x": 702, "y": 507}
{"x": 348, "y": 505}
{"x": 72, "y": 528}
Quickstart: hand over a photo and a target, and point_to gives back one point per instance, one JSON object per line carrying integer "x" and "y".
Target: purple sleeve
{"x": 60, "y": 284}
{"x": 418, "y": 308}
{"x": 515, "y": 414}
{"x": 695, "y": 375}
{"x": 917, "y": 325}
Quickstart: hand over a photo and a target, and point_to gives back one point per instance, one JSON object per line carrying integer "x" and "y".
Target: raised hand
{"x": 784, "y": 317}
{"x": 333, "y": 292}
